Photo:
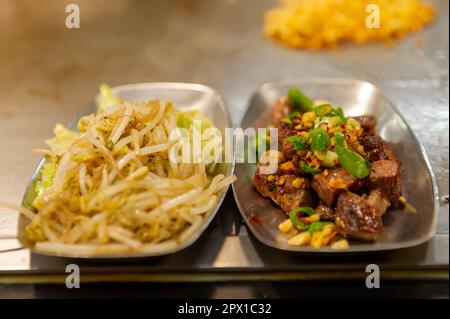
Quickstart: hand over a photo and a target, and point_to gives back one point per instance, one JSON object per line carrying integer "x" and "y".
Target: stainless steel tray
{"x": 48, "y": 77}
{"x": 185, "y": 96}
{"x": 401, "y": 228}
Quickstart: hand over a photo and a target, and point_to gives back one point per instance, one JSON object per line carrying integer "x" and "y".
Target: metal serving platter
{"x": 402, "y": 228}
{"x": 185, "y": 97}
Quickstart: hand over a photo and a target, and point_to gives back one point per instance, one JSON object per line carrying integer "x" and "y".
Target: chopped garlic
{"x": 286, "y": 226}
{"x": 300, "y": 239}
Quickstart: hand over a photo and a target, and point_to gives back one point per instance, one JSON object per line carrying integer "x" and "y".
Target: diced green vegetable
{"x": 292, "y": 116}
{"x": 319, "y": 140}
{"x": 333, "y": 121}
{"x": 297, "y": 224}
{"x": 354, "y": 163}
{"x": 320, "y": 154}
{"x": 330, "y": 160}
{"x": 316, "y": 226}
{"x": 300, "y": 143}
{"x": 308, "y": 169}
{"x": 338, "y": 111}
{"x": 294, "y": 214}
{"x": 339, "y": 138}
{"x": 300, "y": 101}
{"x": 286, "y": 120}
{"x": 304, "y": 210}
{"x": 323, "y": 109}
{"x": 353, "y": 122}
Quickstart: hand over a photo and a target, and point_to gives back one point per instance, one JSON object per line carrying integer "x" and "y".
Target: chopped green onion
{"x": 335, "y": 112}
{"x": 293, "y": 116}
{"x": 304, "y": 210}
{"x": 300, "y": 100}
{"x": 308, "y": 169}
{"x": 316, "y": 226}
{"x": 286, "y": 120}
{"x": 320, "y": 155}
{"x": 353, "y": 122}
{"x": 339, "y": 138}
{"x": 323, "y": 109}
{"x": 333, "y": 121}
{"x": 330, "y": 160}
{"x": 320, "y": 140}
{"x": 340, "y": 113}
{"x": 300, "y": 143}
{"x": 354, "y": 163}
{"x": 293, "y": 216}
{"x": 297, "y": 224}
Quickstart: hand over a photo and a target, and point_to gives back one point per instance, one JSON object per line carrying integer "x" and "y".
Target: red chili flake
{"x": 255, "y": 218}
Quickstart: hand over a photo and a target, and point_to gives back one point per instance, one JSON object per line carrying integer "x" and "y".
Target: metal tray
{"x": 185, "y": 97}
{"x": 401, "y": 228}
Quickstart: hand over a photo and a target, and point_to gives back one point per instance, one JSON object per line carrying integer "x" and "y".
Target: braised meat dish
{"x": 335, "y": 177}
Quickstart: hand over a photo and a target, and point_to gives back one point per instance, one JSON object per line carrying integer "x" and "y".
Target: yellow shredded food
{"x": 112, "y": 187}
{"x": 315, "y": 24}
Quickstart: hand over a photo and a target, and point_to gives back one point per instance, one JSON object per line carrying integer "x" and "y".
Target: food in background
{"x": 315, "y": 24}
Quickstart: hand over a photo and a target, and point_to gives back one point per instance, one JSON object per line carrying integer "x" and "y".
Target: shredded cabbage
{"x": 47, "y": 177}
{"x": 63, "y": 139}
{"x": 106, "y": 98}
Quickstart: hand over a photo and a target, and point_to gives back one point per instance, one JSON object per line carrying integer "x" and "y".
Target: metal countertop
{"x": 49, "y": 73}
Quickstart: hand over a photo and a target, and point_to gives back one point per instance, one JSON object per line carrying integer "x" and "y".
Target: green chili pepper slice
{"x": 309, "y": 169}
{"x": 339, "y": 138}
{"x": 293, "y": 116}
{"x": 354, "y": 163}
{"x": 300, "y": 100}
{"x": 323, "y": 109}
{"x": 320, "y": 140}
{"x": 316, "y": 226}
{"x": 300, "y": 143}
{"x": 293, "y": 216}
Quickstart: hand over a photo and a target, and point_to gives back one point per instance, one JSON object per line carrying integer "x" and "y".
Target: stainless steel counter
{"x": 49, "y": 73}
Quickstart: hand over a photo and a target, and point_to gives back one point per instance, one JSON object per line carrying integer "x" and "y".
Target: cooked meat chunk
{"x": 388, "y": 151}
{"x": 378, "y": 200}
{"x": 368, "y": 123}
{"x": 356, "y": 218}
{"x": 262, "y": 185}
{"x": 285, "y": 130}
{"x": 283, "y": 192}
{"x": 373, "y": 147}
{"x": 281, "y": 109}
{"x": 329, "y": 184}
{"x": 385, "y": 175}
{"x": 376, "y": 149}
{"x": 325, "y": 212}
